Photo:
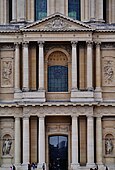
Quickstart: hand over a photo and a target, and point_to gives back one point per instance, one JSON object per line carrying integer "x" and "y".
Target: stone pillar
{"x": 74, "y": 142}
{"x": 74, "y": 66}
{"x": 14, "y": 10}
{"x": 98, "y": 67}
{"x": 92, "y": 9}
{"x": 86, "y": 4}
{"x": 21, "y": 10}
{"x": 17, "y": 141}
{"x": 89, "y": 66}
{"x": 100, "y": 10}
{"x": 25, "y": 67}
{"x": 26, "y": 142}
{"x": 17, "y": 68}
{"x": 41, "y": 143}
{"x": 41, "y": 66}
{"x": 99, "y": 141}
{"x": 1, "y": 11}
{"x": 90, "y": 141}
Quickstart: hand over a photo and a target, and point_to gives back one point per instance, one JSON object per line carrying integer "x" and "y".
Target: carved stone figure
{"x": 108, "y": 71}
{"x": 108, "y": 146}
{"x": 6, "y": 147}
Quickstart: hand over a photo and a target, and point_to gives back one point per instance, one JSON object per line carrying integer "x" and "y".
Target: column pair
{"x": 41, "y": 141}
{"x": 26, "y": 67}
{"x": 90, "y": 141}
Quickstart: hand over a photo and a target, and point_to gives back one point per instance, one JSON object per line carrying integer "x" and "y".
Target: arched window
{"x": 40, "y": 9}
{"x": 57, "y": 72}
{"x": 74, "y": 9}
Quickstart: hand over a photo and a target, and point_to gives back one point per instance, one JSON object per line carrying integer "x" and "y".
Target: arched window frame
{"x": 46, "y": 67}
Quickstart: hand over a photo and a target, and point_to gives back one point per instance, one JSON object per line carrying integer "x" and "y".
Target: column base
{"x": 40, "y": 166}
{"x": 91, "y": 165}
{"x": 74, "y": 166}
{"x": 100, "y": 167}
{"x": 98, "y": 94}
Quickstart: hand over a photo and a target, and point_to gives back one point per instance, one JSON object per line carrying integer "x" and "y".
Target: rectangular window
{"x": 40, "y": 9}
{"x": 10, "y": 10}
{"x": 74, "y": 9}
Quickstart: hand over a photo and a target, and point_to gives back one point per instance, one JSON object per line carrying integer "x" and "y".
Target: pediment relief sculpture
{"x": 57, "y": 22}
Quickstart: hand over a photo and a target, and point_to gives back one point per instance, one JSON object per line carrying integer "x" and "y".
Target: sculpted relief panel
{"x": 6, "y": 72}
{"x": 108, "y": 71}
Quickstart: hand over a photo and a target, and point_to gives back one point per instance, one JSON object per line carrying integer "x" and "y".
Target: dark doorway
{"x": 58, "y": 153}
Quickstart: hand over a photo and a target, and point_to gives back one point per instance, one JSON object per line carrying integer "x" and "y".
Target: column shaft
{"x": 2, "y": 11}
{"x": 5, "y": 12}
{"x": 41, "y": 143}
{"x": 14, "y": 10}
{"x": 21, "y": 10}
{"x": 17, "y": 68}
{"x": 99, "y": 141}
{"x": 98, "y": 67}
{"x": 17, "y": 141}
{"x": 100, "y": 10}
{"x": 26, "y": 142}
{"x": 74, "y": 65}
{"x": 41, "y": 66}
{"x": 89, "y": 66}
{"x": 74, "y": 141}
{"x": 86, "y": 10}
{"x": 25, "y": 67}
{"x": 92, "y": 9}
{"x": 90, "y": 141}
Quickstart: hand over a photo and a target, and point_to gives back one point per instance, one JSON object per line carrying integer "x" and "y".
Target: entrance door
{"x": 58, "y": 153}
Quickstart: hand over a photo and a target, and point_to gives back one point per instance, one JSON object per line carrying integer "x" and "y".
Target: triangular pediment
{"x": 57, "y": 22}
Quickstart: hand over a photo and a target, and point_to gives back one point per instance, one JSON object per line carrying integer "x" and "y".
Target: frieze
{"x": 7, "y": 47}
{"x": 6, "y": 72}
{"x": 108, "y": 71}
{"x": 55, "y": 110}
{"x": 10, "y": 111}
{"x": 107, "y": 111}
{"x": 108, "y": 45}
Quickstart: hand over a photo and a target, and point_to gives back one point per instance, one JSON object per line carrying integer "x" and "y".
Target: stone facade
{"x": 31, "y": 114}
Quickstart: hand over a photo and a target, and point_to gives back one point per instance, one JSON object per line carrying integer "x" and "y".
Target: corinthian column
{"x": 41, "y": 143}
{"x": 26, "y": 142}
{"x": 17, "y": 141}
{"x": 17, "y": 68}
{"x": 98, "y": 67}
{"x": 74, "y": 66}
{"x": 92, "y": 9}
{"x": 100, "y": 10}
{"x": 99, "y": 142}
{"x": 90, "y": 141}
{"x": 25, "y": 67}
{"x": 14, "y": 10}
{"x": 89, "y": 66}
{"x": 21, "y": 10}
{"x": 41, "y": 66}
{"x": 74, "y": 142}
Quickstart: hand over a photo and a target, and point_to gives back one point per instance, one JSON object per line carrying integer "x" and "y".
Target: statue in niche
{"x": 108, "y": 146}
{"x": 6, "y": 147}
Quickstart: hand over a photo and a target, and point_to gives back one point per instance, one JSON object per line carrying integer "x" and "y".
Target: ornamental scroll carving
{"x": 108, "y": 71}
{"x": 57, "y": 23}
{"x": 6, "y": 72}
